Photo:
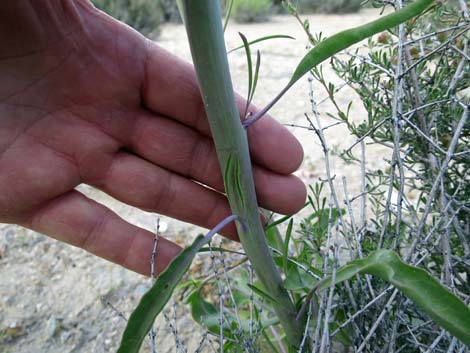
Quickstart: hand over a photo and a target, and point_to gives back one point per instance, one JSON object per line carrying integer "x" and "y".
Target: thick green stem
{"x": 205, "y": 32}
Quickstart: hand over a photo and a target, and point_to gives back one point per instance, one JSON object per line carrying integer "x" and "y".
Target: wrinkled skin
{"x": 85, "y": 99}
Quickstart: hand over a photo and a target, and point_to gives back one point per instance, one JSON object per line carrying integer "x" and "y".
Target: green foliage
{"x": 262, "y": 39}
{"x": 156, "y": 298}
{"x": 433, "y": 107}
{"x": 146, "y": 16}
{"x": 143, "y": 15}
{"x": 251, "y": 10}
{"x": 329, "y": 6}
{"x": 153, "y": 302}
{"x": 429, "y": 125}
{"x": 235, "y": 323}
{"x": 425, "y": 291}
{"x": 170, "y": 10}
{"x": 326, "y": 48}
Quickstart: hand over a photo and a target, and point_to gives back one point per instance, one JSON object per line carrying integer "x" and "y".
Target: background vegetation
{"x": 143, "y": 15}
{"x": 147, "y": 15}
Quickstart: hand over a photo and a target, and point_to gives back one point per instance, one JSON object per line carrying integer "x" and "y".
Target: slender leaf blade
{"x": 250, "y": 68}
{"x": 340, "y": 41}
{"x": 446, "y": 309}
{"x": 261, "y": 39}
{"x": 285, "y": 250}
{"x": 255, "y": 78}
{"x": 344, "y": 39}
{"x": 229, "y": 13}
{"x": 153, "y": 302}
{"x": 262, "y": 293}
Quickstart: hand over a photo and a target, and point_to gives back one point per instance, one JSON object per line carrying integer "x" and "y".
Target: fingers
{"x": 142, "y": 184}
{"x": 188, "y": 153}
{"x": 77, "y": 220}
{"x": 171, "y": 89}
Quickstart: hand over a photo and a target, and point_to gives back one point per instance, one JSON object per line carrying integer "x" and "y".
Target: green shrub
{"x": 251, "y": 10}
{"x": 143, "y": 15}
{"x": 170, "y": 10}
{"x": 329, "y": 6}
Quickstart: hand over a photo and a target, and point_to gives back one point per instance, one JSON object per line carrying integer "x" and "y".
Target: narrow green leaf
{"x": 156, "y": 298}
{"x": 283, "y": 219}
{"x": 229, "y": 13}
{"x": 219, "y": 249}
{"x": 180, "y": 5}
{"x": 228, "y": 167}
{"x": 274, "y": 239}
{"x": 255, "y": 78}
{"x": 262, "y": 293}
{"x": 279, "y": 221}
{"x": 232, "y": 180}
{"x": 446, "y": 309}
{"x": 206, "y": 314}
{"x": 238, "y": 181}
{"x": 250, "y": 68}
{"x": 285, "y": 251}
{"x": 344, "y": 39}
{"x": 275, "y": 36}
{"x": 269, "y": 341}
{"x": 153, "y": 302}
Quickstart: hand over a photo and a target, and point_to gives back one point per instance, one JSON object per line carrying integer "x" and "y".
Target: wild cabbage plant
{"x": 293, "y": 310}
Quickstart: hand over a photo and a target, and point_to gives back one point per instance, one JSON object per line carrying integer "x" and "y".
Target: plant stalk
{"x": 205, "y": 33}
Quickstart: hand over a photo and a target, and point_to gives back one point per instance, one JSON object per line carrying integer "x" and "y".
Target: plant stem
{"x": 205, "y": 32}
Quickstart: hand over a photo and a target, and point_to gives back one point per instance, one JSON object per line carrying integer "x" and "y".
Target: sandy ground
{"x": 53, "y": 297}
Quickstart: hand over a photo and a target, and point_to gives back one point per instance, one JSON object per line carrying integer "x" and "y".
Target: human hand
{"x": 85, "y": 99}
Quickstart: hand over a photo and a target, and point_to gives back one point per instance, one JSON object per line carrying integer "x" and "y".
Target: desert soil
{"x": 55, "y": 298}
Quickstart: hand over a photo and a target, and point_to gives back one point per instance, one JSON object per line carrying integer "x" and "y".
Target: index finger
{"x": 171, "y": 89}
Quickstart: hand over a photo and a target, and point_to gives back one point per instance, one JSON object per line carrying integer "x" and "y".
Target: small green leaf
{"x": 153, "y": 302}
{"x": 275, "y": 36}
{"x": 285, "y": 251}
{"x": 255, "y": 78}
{"x": 229, "y": 12}
{"x": 327, "y": 48}
{"x": 262, "y": 294}
{"x": 250, "y": 68}
{"x": 274, "y": 239}
{"x": 341, "y": 336}
{"x": 232, "y": 180}
{"x": 228, "y": 168}
{"x": 219, "y": 249}
{"x": 297, "y": 279}
{"x": 206, "y": 314}
{"x": 283, "y": 219}
{"x": 446, "y": 309}
{"x": 344, "y": 39}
